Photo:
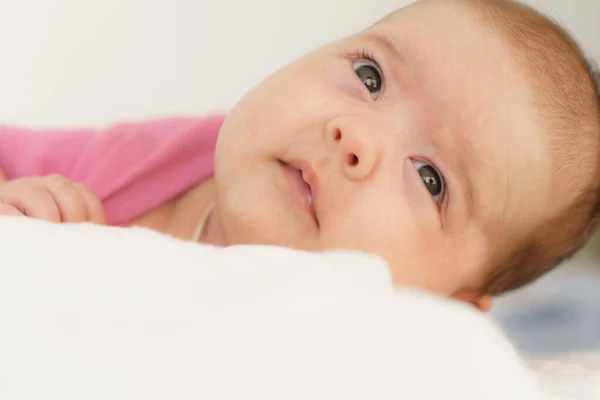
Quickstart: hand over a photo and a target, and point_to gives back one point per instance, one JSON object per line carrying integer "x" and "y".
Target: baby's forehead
{"x": 464, "y": 73}
{"x": 430, "y": 10}
{"x": 441, "y": 32}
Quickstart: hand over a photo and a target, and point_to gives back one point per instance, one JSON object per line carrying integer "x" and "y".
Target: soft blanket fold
{"x": 92, "y": 312}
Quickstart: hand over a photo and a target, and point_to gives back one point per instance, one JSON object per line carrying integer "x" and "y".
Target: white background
{"x": 93, "y": 62}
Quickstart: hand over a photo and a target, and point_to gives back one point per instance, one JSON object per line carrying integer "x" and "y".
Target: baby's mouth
{"x": 298, "y": 180}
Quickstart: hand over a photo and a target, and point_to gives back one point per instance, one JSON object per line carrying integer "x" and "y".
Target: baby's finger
{"x": 34, "y": 202}
{"x": 8, "y": 210}
{"x": 95, "y": 209}
{"x": 69, "y": 200}
{"x": 3, "y": 177}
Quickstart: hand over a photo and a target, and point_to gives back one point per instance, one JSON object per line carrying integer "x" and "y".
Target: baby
{"x": 459, "y": 140}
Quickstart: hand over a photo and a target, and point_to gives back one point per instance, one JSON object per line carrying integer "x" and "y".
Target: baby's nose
{"x": 358, "y": 155}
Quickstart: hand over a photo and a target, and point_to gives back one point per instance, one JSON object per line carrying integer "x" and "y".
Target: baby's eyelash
{"x": 364, "y": 54}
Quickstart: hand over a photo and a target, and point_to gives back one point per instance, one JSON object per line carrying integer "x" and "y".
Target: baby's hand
{"x": 53, "y": 198}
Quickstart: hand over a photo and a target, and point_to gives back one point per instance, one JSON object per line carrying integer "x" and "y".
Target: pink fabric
{"x": 131, "y": 167}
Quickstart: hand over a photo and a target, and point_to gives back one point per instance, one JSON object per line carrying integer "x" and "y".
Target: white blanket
{"x": 92, "y": 312}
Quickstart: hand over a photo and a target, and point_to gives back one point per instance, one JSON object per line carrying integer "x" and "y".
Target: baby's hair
{"x": 566, "y": 88}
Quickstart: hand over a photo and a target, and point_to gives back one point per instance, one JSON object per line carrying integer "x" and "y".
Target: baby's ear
{"x": 482, "y": 302}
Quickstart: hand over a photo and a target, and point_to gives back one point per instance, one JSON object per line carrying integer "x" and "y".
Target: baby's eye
{"x": 370, "y": 76}
{"x": 431, "y": 178}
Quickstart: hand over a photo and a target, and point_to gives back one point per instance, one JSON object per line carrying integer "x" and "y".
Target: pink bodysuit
{"x": 131, "y": 167}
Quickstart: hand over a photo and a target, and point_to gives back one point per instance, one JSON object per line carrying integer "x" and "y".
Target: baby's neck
{"x": 212, "y": 232}
{"x": 190, "y": 208}
{"x": 180, "y": 216}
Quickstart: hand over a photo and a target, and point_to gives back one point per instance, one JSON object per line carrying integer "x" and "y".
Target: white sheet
{"x": 569, "y": 376}
{"x": 105, "y": 313}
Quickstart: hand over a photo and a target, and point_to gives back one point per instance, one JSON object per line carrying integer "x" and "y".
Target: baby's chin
{"x": 253, "y": 236}
{"x": 253, "y": 225}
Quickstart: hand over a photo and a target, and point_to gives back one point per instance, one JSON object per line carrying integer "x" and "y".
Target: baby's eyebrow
{"x": 384, "y": 42}
{"x": 467, "y": 183}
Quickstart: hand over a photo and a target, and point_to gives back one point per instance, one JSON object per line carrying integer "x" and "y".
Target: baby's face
{"x": 418, "y": 139}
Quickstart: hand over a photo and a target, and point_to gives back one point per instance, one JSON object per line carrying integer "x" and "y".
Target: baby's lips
{"x": 308, "y": 174}
{"x": 312, "y": 180}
